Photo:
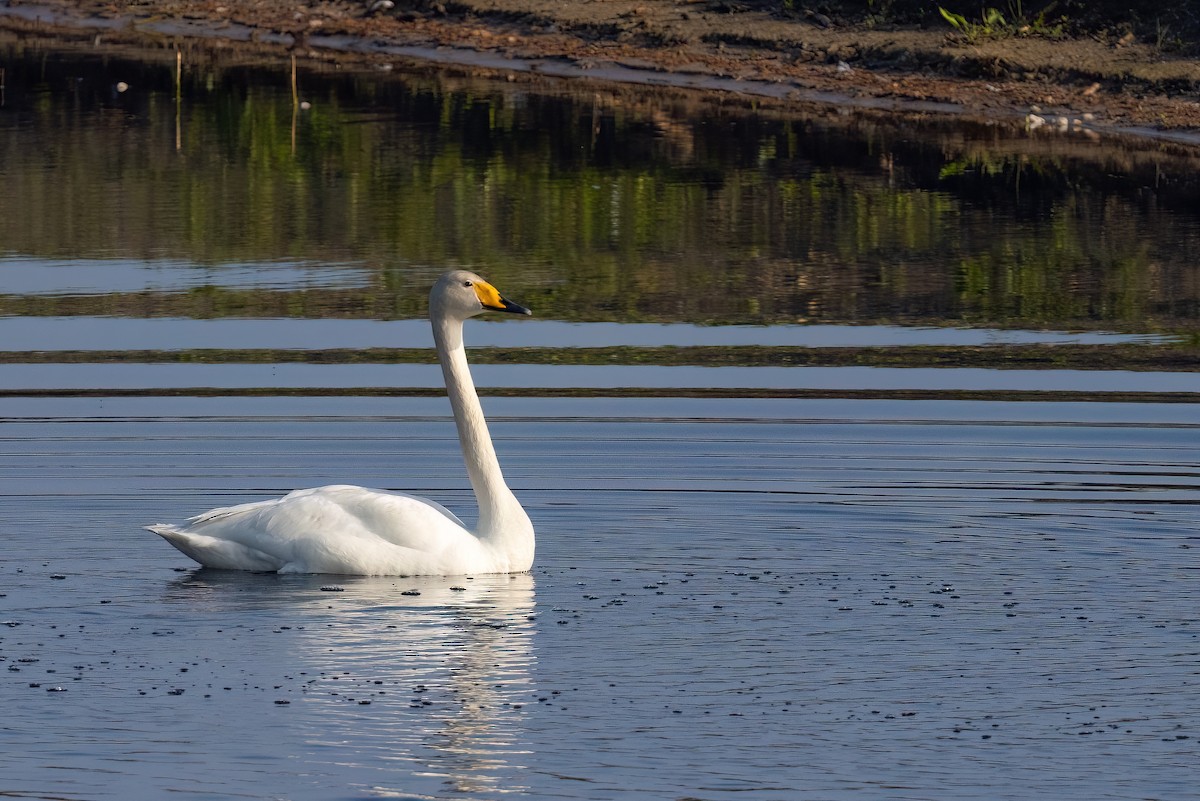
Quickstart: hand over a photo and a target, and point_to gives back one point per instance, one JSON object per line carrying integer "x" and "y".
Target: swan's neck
{"x": 502, "y": 521}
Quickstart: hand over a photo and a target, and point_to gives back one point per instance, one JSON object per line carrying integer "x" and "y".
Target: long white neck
{"x": 502, "y": 521}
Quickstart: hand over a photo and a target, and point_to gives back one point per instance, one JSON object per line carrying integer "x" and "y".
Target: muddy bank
{"x": 1092, "y": 84}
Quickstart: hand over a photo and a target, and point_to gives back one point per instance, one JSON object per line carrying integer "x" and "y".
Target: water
{"x": 810, "y": 596}
{"x": 602, "y": 206}
{"x": 49, "y": 334}
{"x": 732, "y": 599}
{"x": 51, "y": 378}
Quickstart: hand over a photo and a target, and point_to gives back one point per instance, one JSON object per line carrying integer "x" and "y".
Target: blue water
{"x": 732, "y": 599}
{"x": 132, "y": 375}
{"x": 132, "y": 333}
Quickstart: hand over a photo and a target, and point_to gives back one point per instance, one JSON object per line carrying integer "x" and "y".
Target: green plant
{"x": 1039, "y": 26}
{"x": 958, "y": 21}
{"x": 992, "y": 23}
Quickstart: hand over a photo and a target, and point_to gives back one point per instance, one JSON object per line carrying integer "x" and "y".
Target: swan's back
{"x": 335, "y": 529}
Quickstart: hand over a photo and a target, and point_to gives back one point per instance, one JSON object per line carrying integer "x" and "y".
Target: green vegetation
{"x": 1171, "y": 26}
{"x": 994, "y": 24}
{"x": 601, "y": 208}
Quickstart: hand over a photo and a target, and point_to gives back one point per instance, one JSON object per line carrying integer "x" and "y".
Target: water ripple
{"x": 805, "y": 597}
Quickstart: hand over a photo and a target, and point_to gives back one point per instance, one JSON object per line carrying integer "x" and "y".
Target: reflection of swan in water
{"x": 454, "y": 666}
{"x": 357, "y": 531}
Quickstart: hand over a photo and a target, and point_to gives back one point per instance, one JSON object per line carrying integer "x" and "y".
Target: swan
{"x": 357, "y": 531}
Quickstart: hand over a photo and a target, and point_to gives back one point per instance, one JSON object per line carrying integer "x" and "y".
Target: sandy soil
{"x": 714, "y": 46}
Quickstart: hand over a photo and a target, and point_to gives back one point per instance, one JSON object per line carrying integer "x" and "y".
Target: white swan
{"x": 352, "y": 530}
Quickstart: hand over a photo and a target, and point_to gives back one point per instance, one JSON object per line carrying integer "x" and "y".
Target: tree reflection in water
{"x": 602, "y": 205}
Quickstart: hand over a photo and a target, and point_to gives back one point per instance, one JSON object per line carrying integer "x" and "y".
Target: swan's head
{"x": 463, "y": 294}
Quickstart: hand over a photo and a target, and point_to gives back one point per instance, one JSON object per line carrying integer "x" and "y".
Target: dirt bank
{"x": 1094, "y": 83}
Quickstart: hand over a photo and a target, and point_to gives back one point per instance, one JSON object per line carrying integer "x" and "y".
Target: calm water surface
{"x": 765, "y": 599}
{"x": 733, "y": 598}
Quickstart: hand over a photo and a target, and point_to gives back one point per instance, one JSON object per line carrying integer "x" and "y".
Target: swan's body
{"x": 353, "y": 530}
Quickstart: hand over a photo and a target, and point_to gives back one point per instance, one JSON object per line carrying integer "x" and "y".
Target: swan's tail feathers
{"x": 215, "y": 553}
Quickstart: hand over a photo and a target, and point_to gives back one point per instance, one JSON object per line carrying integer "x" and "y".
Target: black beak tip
{"x": 515, "y": 308}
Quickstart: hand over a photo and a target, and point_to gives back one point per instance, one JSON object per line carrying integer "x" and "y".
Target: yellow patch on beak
{"x": 489, "y": 296}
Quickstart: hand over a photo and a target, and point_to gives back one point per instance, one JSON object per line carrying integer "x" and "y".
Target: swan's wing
{"x": 397, "y": 505}
{"x": 336, "y": 529}
{"x": 404, "y": 520}
{"x": 217, "y": 553}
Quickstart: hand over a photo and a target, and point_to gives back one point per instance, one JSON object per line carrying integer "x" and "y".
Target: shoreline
{"x": 1078, "y": 86}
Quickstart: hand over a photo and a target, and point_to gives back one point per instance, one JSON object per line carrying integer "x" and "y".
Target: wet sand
{"x": 1089, "y": 86}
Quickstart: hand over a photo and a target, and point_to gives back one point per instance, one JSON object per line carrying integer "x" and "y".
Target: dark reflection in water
{"x": 608, "y": 205}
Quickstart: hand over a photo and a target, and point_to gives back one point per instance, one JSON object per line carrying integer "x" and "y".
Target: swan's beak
{"x": 490, "y": 298}
{"x": 516, "y": 308}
